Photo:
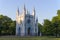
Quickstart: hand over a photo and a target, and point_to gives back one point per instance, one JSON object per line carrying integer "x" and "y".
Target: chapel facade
{"x": 26, "y": 23}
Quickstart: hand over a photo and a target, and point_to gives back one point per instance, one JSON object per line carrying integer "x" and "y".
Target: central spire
{"x": 24, "y": 9}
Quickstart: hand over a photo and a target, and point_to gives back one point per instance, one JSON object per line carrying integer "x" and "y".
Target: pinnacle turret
{"x": 33, "y": 13}
{"x": 24, "y": 9}
{"x": 17, "y": 12}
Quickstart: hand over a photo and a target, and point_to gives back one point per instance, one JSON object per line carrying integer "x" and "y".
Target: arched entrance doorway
{"x": 29, "y": 31}
{"x": 19, "y": 31}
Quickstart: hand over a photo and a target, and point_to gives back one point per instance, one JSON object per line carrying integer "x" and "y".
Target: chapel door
{"x": 19, "y": 31}
{"x": 28, "y": 31}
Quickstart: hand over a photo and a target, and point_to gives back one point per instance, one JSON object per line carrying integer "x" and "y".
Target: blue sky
{"x": 45, "y": 9}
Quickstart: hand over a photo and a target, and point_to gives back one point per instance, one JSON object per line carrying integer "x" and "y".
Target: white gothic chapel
{"x": 26, "y": 23}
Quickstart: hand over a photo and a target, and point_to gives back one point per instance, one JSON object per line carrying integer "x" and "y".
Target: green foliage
{"x": 56, "y": 21}
{"x": 39, "y": 28}
{"x": 52, "y": 27}
{"x": 47, "y": 27}
{"x": 7, "y": 26}
{"x": 58, "y": 12}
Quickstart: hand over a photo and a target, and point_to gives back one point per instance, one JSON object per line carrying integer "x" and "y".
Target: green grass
{"x": 27, "y": 38}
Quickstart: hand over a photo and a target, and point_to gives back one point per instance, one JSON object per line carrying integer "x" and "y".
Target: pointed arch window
{"x": 28, "y": 21}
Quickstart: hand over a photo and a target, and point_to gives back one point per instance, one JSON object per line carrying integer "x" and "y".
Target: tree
{"x": 39, "y": 28}
{"x": 58, "y": 12}
{"x": 7, "y": 25}
{"x": 56, "y": 23}
{"x": 12, "y": 28}
{"x": 47, "y": 27}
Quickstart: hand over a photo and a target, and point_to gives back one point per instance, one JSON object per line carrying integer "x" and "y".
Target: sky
{"x": 45, "y": 9}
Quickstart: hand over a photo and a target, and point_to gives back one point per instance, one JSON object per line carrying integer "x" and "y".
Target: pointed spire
{"x": 17, "y": 12}
{"x": 24, "y": 10}
{"x": 33, "y": 12}
{"x": 34, "y": 9}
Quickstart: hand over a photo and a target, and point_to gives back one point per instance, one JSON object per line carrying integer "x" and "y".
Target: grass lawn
{"x": 27, "y": 38}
